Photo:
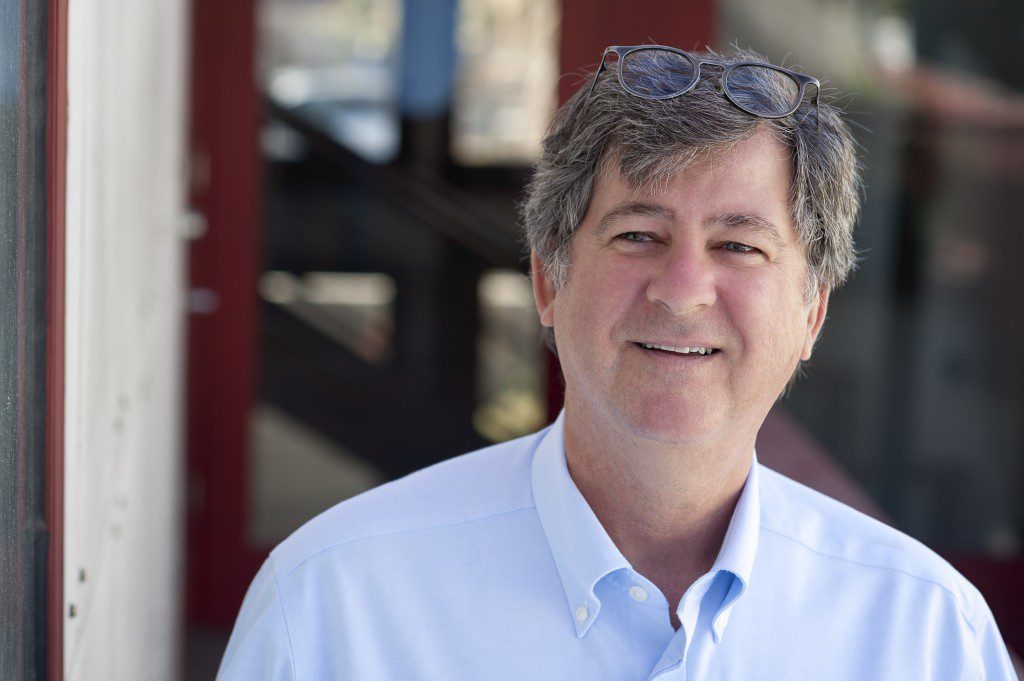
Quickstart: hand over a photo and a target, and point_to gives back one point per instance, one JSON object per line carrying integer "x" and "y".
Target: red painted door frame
{"x": 222, "y": 329}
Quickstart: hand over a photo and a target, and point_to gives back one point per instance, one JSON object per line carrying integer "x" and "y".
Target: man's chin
{"x": 681, "y": 426}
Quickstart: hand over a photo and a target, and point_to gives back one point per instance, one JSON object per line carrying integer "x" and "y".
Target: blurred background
{"x": 293, "y": 272}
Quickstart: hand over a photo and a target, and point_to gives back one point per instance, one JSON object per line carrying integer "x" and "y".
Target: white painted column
{"x": 126, "y": 197}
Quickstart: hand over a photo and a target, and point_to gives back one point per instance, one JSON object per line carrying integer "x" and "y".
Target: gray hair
{"x": 651, "y": 140}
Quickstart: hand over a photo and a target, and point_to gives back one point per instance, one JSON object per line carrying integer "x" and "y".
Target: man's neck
{"x": 666, "y": 508}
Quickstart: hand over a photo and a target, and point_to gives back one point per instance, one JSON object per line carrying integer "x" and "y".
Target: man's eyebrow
{"x": 631, "y": 208}
{"x": 753, "y": 222}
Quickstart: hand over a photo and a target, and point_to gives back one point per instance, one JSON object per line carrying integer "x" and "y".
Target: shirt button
{"x": 581, "y": 613}
{"x": 637, "y": 593}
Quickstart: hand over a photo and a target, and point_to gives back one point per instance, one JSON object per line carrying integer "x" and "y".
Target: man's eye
{"x": 638, "y": 237}
{"x": 738, "y": 247}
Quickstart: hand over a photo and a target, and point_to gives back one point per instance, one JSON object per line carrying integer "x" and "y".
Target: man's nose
{"x": 684, "y": 279}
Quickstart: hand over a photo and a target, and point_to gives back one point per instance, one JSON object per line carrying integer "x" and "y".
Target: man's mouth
{"x": 690, "y": 350}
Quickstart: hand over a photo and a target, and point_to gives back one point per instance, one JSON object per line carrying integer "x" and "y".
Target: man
{"x": 688, "y": 220}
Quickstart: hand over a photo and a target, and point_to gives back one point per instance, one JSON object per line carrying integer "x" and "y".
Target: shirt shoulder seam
{"x": 377, "y": 535}
{"x": 956, "y": 599}
{"x": 284, "y": 617}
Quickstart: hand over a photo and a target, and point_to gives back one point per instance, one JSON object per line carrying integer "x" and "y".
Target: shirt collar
{"x": 584, "y": 553}
{"x": 582, "y": 549}
{"x": 739, "y": 547}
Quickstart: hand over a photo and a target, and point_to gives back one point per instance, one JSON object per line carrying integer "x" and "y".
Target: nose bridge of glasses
{"x": 701, "y": 63}
{"x": 719, "y": 69}
{"x": 718, "y": 73}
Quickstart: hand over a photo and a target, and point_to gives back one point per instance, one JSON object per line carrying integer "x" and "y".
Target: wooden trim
{"x": 56, "y": 203}
{"x": 223, "y": 350}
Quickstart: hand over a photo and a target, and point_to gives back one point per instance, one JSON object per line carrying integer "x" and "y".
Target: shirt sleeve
{"x": 260, "y": 647}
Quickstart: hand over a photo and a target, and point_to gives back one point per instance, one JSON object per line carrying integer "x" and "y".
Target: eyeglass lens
{"x": 654, "y": 74}
{"x": 746, "y": 84}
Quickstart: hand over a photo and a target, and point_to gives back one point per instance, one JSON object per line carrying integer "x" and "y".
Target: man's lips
{"x": 693, "y": 350}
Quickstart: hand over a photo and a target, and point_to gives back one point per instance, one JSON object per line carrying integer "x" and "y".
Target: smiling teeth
{"x": 681, "y": 351}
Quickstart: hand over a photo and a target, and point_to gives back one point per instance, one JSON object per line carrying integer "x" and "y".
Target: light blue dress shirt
{"x": 492, "y": 566}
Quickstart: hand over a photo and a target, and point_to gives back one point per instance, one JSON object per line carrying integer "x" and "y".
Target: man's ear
{"x": 815, "y": 320}
{"x": 543, "y": 290}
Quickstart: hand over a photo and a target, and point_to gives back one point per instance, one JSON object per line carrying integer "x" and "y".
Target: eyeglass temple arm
{"x": 602, "y": 67}
{"x": 817, "y": 109}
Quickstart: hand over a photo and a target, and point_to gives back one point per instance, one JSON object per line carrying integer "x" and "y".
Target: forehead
{"x": 753, "y": 176}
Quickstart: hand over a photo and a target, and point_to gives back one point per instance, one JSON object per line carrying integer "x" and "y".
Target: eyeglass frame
{"x": 622, "y": 52}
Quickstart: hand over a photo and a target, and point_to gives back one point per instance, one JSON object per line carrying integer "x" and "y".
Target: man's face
{"x": 712, "y": 261}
